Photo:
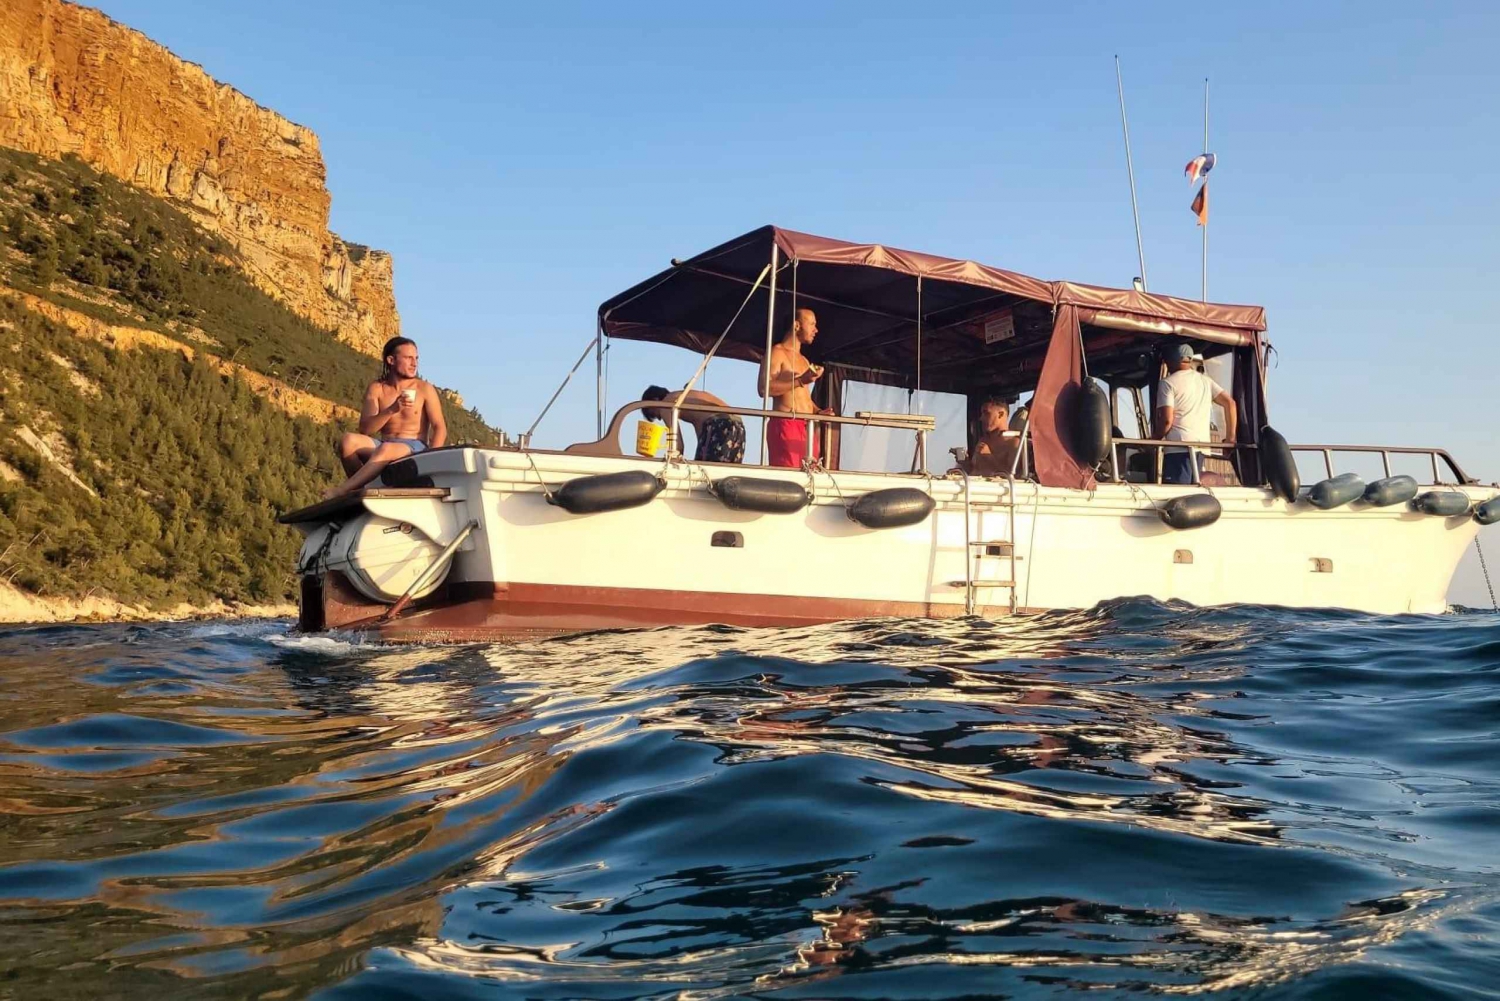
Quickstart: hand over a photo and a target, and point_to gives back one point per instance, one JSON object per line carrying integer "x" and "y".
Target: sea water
{"x": 1138, "y": 798}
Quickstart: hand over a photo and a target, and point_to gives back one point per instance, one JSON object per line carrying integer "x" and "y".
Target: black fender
{"x": 1191, "y": 511}
{"x": 1091, "y": 424}
{"x": 896, "y": 507}
{"x": 607, "y": 492}
{"x": 1339, "y": 490}
{"x": 1279, "y": 466}
{"x": 1390, "y": 490}
{"x": 749, "y": 493}
{"x": 1443, "y": 503}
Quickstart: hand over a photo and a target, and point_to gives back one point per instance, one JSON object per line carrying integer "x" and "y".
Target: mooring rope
{"x": 547, "y": 493}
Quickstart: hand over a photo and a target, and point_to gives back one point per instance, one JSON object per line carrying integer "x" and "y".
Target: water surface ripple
{"x": 1137, "y": 798}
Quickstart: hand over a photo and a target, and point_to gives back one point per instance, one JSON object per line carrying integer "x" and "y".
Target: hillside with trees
{"x": 136, "y": 471}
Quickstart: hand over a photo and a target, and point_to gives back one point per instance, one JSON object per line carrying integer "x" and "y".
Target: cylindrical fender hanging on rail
{"x": 1331, "y": 493}
{"x": 1191, "y": 511}
{"x": 1279, "y": 466}
{"x": 1444, "y": 503}
{"x": 749, "y": 493}
{"x": 607, "y": 492}
{"x": 1489, "y": 512}
{"x": 1091, "y": 424}
{"x": 1390, "y": 490}
{"x": 896, "y": 507}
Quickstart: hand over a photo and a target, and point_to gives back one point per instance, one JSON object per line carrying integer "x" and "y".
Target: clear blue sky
{"x": 525, "y": 163}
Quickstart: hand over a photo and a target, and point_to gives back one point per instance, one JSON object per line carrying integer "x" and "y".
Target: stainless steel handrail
{"x": 1161, "y": 447}
{"x": 610, "y": 443}
{"x": 923, "y": 424}
{"x": 1326, "y": 451}
{"x": 1386, "y": 451}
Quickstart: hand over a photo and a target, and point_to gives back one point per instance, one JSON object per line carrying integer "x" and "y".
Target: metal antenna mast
{"x": 1204, "y": 295}
{"x": 1140, "y": 250}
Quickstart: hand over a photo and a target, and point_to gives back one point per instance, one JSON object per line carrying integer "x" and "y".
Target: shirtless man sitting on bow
{"x": 790, "y": 387}
{"x": 402, "y": 416}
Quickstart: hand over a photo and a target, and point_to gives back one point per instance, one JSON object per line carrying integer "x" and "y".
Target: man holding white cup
{"x": 787, "y": 377}
{"x": 401, "y": 416}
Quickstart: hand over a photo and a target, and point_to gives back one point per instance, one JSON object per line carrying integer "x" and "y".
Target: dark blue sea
{"x": 1139, "y": 799}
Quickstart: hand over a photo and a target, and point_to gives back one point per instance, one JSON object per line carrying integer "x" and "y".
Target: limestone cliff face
{"x": 74, "y": 81}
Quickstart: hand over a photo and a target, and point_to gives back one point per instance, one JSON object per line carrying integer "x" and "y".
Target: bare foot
{"x": 333, "y": 492}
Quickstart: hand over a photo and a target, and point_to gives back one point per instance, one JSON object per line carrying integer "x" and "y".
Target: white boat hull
{"x": 532, "y": 568}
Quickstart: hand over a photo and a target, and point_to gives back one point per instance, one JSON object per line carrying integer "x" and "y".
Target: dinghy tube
{"x": 1390, "y": 490}
{"x": 1489, "y": 512}
{"x": 1331, "y": 493}
{"x": 606, "y": 492}
{"x": 1280, "y": 468}
{"x": 748, "y": 493}
{"x": 1444, "y": 503}
{"x": 896, "y": 507}
{"x": 1191, "y": 511}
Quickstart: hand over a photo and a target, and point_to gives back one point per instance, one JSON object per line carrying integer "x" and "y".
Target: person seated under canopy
{"x": 996, "y": 446}
{"x": 721, "y": 437}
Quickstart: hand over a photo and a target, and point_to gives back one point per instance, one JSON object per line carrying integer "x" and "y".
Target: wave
{"x": 1137, "y": 796}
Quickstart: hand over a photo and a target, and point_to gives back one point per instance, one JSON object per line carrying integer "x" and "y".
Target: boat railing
{"x": 1385, "y": 452}
{"x": 1119, "y": 471}
{"x": 919, "y": 425}
{"x": 1218, "y": 449}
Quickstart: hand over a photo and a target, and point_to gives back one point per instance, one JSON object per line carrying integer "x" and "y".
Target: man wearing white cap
{"x": 1184, "y": 404}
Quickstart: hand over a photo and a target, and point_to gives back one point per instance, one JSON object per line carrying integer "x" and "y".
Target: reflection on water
{"x": 1134, "y": 797}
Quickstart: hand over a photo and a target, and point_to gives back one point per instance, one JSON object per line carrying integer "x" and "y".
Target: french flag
{"x": 1199, "y": 166}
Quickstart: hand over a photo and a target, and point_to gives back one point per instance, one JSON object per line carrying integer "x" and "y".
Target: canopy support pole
{"x": 599, "y": 388}
{"x": 674, "y": 446}
{"x": 919, "y": 338}
{"x": 526, "y": 438}
{"x": 765, "y": 386}
{"x": 914, "y": 396}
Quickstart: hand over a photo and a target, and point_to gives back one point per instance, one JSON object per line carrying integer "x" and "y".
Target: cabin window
{"x": 887, "y": 450}
{"x": 1220, "y": 369}
{"x": 1125, "y": 418}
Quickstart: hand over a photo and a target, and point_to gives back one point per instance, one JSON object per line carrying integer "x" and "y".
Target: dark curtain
{"x": 828, "y": 393}
{"x": 1054, "y": 405}
{"x": 1251, "y": 401}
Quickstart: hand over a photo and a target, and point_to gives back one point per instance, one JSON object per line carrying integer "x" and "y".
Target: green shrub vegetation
{"x": 97, "y": 245}
{"x": 188, "y": 469}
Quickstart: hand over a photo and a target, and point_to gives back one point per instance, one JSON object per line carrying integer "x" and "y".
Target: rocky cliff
{"x": 74, "y": 81}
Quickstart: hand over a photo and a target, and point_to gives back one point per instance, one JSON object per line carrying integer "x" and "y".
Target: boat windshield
{"x": 883, "y": 451}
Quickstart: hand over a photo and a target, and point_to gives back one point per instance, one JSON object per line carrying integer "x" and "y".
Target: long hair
{"x": 389, "y": 350}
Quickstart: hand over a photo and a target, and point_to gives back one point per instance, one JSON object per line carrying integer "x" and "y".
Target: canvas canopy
{"x": 901, "y": 318}
{"x": 870, "y": 300}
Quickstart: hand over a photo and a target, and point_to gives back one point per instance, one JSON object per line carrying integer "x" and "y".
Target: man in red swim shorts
{"x": 787, "y": 377}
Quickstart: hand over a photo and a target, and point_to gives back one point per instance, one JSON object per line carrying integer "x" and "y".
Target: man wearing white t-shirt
{"x": 1184, "y": 404}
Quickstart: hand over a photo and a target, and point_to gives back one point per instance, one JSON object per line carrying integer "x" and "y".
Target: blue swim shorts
{"x": 415, "y": 444}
